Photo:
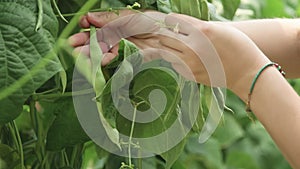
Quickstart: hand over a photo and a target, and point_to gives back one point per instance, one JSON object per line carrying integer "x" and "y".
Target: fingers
{"x": 99, "y": 19}
{"x": 173, "y": 40}
{"x": 107, "y": 58}
{"x": 82, "y": 50}
{"x": 84, "y": 23}
{"x": 79, "y": 39}
{"x": 128, "y": 26}
{"x": 85, "y": 49}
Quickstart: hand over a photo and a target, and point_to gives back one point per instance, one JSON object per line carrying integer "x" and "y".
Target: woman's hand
{"x": 206, "y": 52}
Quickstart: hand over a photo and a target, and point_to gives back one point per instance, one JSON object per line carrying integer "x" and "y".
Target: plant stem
{"x": 20, "y": 144}
{"x": 73, "y": 156}
{"x": 17, "y": 140}
{"x": 130, "y": 136}
{"x": 38, "y": 96}
{"x": 32, "y": 115}
{"x": 140, "y": 163}
{"x": 66, "y": 159}
{"x": 93, "y": 10}
{"x": 58, "y": 11}
{"x": 13, "y": 134}
{"x": 38, "y": 128}
{"x": 44, "y": 162}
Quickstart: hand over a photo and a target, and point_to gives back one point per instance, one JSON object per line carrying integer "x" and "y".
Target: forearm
{"x": 277, "y": 106}
{"x": 279, "y": 39}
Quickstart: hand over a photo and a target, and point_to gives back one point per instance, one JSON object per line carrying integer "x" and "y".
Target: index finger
{"x": 99, "y": 19}
{"x": 129, "y": 26}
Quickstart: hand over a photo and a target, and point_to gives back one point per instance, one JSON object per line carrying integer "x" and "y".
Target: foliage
{"x": 39, "y": 127}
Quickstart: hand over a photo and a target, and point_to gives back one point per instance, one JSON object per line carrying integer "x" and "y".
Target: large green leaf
{"x": 208, "y": 153}
{"x": 22, "y": 50}
{"x": 230, "y": 7}
{"x": 229, "y": 132}
{"x": 240, "y": 159}
{"x": 143, "y": 85}
{"x": 189, "y": 7}
{"x": 173, "y": 154}
{"x": 156, "y": 91}
{"x": 260, "y": 147}
{"x": 9, "y": 158}
{"x": 65, "y": 130}
{"x": 273, "y": 9}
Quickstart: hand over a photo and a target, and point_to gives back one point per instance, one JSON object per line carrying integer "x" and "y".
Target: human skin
{"x": 279, "y": 39}
{"x": 273, "y": 101}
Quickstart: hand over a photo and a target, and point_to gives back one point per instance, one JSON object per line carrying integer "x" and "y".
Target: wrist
{"x": 242, "y": 85}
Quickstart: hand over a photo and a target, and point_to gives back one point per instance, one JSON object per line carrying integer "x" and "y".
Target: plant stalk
{"x": 130, "y": 136}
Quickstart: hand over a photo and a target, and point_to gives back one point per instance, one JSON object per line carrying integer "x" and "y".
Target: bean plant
{"x": 42, "y": 83}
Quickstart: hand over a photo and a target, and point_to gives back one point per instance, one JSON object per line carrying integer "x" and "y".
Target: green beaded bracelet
{"x": 255, "y": 79}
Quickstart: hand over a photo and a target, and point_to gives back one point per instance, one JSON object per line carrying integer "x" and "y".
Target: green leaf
{"x": 195, "y": 10}
{"x": 23, "y": 120}
{"x": 112, "y": 133}
{"x": 114, "y": 162}
{"x": 188, "y": 7}
{"x": 175, "y": 6}
{"x": 164, "y": 6}
{"x": 238, "y": 106}
{"x": 172, "y": 155}
{"x": 130, "y": 51}
{"x": 260, "y": 147}
{"x": 204, "y": 10}
{"x": 230, "y": 7}
{"x": 273, "y": 9}
{"x": 94, "y": 156}
{"x": 22, "y": 49}
{"x": 144, "y": 90}
{"x": 191, "y": 104}
{"x": 239, "y": 159}
{"x": 65, "y": 130}
{"x": 144, "y": 83}
{"x": 209, "y": 153}
{"x": 205, "y": 97}
{"x": 213, "y": 102}
{"x": 228, "y": 132}
{"x": 9, "y": 158}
